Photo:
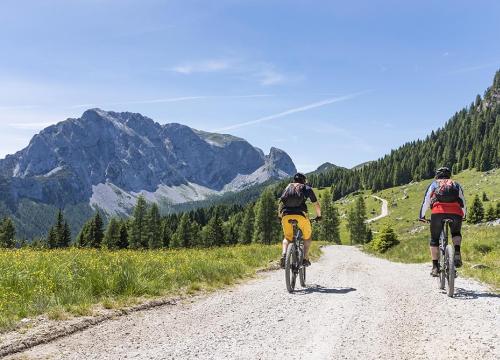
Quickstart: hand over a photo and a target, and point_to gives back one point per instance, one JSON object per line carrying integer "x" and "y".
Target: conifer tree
{"x": 7, "y": 233}
{"x": 476, "y": 213}
{"x": 213, "y": 234}
{"x": 59, "y": 235}
{"x": 166, "y": 234}
{"x": 96, "y": 233}
{"x": 498, "y": 207}
{"x": 357, "y": 222}
{"x": 154, "y": 227}
{"x": 247, "y": 225}
{"x": 65, "y": 239}
{"x": 112, "y": 235}
{"x": 123, "y": 242}
{"x": 59, "y": 228}
{"x": 138, "y": 229}
{"x": 182, "y": 236}
{"x": 329, "y": 228}
{"x": 232, "y": 229}
{"x": 491, "y": 213}
{"x": 52, "y": 239}
{"x": 195, "y": 234}
{"x": 266, "y": 223}
{"x": 83, "y": 238}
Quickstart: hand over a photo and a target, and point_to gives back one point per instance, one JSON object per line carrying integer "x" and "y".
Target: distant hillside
{"x": 362, "y": 165}
{"x": 470, "y": 139}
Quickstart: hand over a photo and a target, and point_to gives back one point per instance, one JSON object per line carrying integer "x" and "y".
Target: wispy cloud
{"x": 264, "y": 73}
{"x": 202, "y": 66}
{"x": 475, "y": 68}
{"x": 173, "y": 99}
{"x": 292, "y": 111}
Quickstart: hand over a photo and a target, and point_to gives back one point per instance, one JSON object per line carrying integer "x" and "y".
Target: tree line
{"x": 218, "y": 225}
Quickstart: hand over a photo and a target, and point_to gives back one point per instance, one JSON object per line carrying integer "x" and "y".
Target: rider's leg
{"x": 436, "y": 228}
{"x": 285, "y": 246}
{"x": 456, "y": 234}
{"x": 307, "y": 245}
{"x": 305, "y": 226}
{"x": 288, "y": 234}
{"x": 434, "y": 252}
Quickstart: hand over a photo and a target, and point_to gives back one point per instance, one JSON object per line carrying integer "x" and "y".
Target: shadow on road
{"x": 321, "y": 289}
{"x": 470, "y": 294}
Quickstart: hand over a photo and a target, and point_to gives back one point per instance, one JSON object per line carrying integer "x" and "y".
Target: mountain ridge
{"x": 107, "y": 159}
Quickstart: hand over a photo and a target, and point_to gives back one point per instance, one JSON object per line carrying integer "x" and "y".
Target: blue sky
{"x": 337, "y": 81}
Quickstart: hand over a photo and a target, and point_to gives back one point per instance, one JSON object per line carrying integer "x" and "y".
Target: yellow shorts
{"x": 302, "y": 222}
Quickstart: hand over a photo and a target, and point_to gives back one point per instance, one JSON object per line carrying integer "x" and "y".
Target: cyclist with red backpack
{"x": 446, "y": 199}
{"x": 293, "y": 207}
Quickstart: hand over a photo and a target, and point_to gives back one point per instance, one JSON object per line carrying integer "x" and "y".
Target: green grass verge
{"x": 64, "y": 283}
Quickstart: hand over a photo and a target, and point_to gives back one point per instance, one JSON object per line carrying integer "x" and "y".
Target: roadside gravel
{"x": 355, "y": 307}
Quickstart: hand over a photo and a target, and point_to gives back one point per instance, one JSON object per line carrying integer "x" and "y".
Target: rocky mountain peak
{"x": 106, "y": 159}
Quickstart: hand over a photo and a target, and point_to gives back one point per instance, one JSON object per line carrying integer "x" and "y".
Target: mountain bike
{"x": 294, "y": 259}
{"x": 447, "y": 271}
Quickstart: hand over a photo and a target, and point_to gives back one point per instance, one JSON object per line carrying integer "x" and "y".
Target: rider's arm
{"x": 314, "y": 200}
{"x": 427, "y": 201}
{"x": 317, "y": 208}
{"x": 462, "y": 198}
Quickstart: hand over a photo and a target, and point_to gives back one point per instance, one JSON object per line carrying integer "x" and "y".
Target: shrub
{"x": 385, "y": 240}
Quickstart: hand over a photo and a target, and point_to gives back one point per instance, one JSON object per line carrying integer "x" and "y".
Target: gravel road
{"x": 384, "y": 210}
{"x": 355, "y": 307}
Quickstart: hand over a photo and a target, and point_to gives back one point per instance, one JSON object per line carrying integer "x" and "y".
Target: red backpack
{"x": 447, "y": 191}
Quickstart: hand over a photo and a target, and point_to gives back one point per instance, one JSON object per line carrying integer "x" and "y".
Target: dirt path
{"x": 384, "y": 212}
{"x": 355, "y": 307}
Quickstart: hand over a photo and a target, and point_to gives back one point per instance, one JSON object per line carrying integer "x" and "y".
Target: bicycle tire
{"x": 290, "y": 276}
{"x": 450, "y": 258}
{"x": 302, "y": 276}
{"x": 442, "y": 273}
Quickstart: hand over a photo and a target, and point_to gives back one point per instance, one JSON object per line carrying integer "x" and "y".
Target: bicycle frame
{"x": 443, "y": 239}
{"x": 298, "y": 244}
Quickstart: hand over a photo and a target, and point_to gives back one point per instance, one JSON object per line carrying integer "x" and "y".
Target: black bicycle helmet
{"x": 299, "y": 178}
{"x": 443, "y": 173}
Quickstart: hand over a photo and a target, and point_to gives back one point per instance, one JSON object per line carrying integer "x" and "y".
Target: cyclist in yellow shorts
{"x": 293, "y": 207}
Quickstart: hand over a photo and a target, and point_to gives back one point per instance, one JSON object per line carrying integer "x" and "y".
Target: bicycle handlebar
{"x": 424, "y": 220}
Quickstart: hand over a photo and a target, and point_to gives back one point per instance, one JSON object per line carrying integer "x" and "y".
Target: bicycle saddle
{"x": 293, "y": 222}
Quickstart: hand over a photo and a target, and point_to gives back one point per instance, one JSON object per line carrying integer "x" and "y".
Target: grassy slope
{"x": 373, "y": 208}
{"x": 70, "y": 282}
{"x": 414, "y": 235}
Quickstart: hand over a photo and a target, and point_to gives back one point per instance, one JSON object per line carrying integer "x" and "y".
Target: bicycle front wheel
{"x": 290, "y": 271}
{"x": 450, "y": 276}
{"x": 302, "y": 269}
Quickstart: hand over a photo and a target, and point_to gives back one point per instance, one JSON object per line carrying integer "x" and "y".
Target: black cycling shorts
{"x": 437, "y": 226}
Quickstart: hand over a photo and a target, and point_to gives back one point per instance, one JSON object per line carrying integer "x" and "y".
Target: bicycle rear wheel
{"x": 442, "y": 272}
{"x": 450, "y": 274}
{"x": 290, "y": 272}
